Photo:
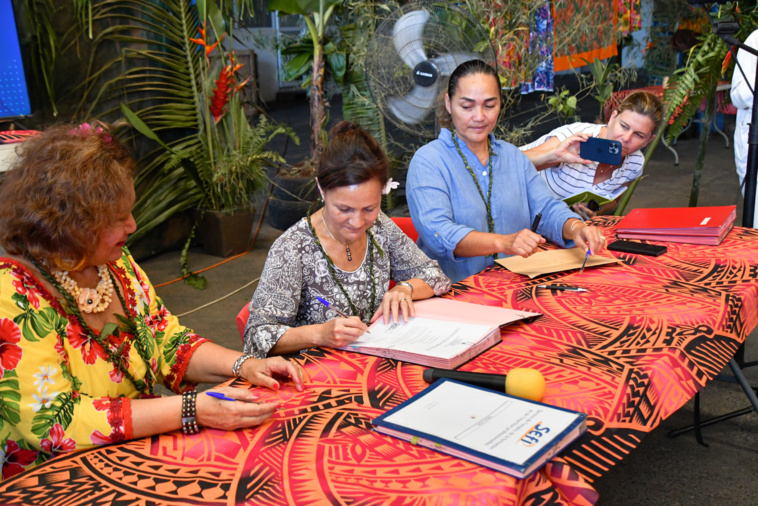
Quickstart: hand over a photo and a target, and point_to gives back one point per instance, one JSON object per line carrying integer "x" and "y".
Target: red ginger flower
{"x": 202, "y": 40}
{"x": 222, "y": 93}
{"x": 725, "y": 63}
{"x": 224, "y": 89}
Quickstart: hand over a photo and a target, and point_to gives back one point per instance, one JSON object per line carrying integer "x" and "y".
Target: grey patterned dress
{"x": 296, "y": 273}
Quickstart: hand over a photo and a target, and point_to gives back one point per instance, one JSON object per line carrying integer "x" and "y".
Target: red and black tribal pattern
{"x": 649, "y": 334}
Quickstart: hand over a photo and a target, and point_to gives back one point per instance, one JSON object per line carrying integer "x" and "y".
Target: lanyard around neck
{"x": 487, "y": 201}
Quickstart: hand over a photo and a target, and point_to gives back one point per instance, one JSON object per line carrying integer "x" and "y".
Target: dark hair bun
{"x": 351, "y": 157}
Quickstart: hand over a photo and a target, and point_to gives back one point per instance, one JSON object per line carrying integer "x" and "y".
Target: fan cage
{"x": 449, "y": 33}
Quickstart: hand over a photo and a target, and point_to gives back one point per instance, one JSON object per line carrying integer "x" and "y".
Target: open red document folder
{"x": 508, "y": 434}
{"x": 695, "y": 225}
{"x": 444, "y": 333}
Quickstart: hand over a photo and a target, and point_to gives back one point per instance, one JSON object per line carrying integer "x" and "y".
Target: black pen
{"x": 563, "y": 288}
{"x": 536, "y": 222}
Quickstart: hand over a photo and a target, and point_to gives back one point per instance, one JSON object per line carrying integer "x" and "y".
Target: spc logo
{"x": 532, "y": 436}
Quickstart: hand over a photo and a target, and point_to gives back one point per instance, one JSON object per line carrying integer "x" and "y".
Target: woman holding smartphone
{"x": 557, "y": 155}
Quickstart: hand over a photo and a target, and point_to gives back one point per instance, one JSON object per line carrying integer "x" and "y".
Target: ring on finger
{"x": 401, "y": 300}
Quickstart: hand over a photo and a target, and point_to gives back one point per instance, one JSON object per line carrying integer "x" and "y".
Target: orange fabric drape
{"x": 599, "y": 43}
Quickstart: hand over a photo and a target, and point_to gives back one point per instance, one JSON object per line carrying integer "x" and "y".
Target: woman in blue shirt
{"x": 472, "y": 197}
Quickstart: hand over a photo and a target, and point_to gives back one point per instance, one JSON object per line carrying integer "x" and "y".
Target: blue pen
{"x": 585, "y": 261}
{"x": 327, "y": 304}
{"x": 219, "y": 395}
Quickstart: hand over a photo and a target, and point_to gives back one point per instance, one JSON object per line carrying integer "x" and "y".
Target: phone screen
{"x": 601, "y": 150}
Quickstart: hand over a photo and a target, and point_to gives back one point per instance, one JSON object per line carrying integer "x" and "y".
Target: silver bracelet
{"x": 571, "y": 230}
{"x": 406, "y": 284}
{"x": 237, "y": 367}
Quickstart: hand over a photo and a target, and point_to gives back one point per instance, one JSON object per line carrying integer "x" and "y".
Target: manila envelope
{"x": 557, "y": 260}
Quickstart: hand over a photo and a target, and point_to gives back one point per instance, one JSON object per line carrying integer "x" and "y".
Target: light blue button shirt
{"x": 445, "y": 204}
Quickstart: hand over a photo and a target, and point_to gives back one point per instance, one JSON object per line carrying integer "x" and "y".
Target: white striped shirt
{"x": 569, "y": 179}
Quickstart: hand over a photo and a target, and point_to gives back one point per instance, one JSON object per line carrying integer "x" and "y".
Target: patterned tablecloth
{"x": 648, "y": 334}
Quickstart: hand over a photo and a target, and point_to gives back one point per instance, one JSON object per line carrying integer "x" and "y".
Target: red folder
{"x": 683, "y": 221}
{"x": 713, "y": 240}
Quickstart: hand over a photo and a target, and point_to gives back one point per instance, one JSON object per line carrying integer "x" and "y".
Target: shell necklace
{"x": 89, "y": 300}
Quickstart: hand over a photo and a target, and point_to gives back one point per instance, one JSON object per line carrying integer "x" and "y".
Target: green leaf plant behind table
{"x": 221, "y": 164}
{"x": 694, "y": 86}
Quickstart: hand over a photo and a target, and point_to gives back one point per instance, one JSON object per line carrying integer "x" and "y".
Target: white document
{"x": 505, "y": 428}
{"x": 423, "y": 336}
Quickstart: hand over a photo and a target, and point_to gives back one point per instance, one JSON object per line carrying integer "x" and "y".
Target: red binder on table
{"x": 695, "y": 225}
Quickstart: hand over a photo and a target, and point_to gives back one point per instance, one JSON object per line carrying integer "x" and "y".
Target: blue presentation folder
{"x": 557, "y": 442}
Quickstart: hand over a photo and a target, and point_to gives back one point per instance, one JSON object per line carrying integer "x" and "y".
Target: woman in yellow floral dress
{"x": 83, "y": 336}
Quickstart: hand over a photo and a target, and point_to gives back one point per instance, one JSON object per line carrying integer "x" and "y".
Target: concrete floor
{"x": 661, "y": 470}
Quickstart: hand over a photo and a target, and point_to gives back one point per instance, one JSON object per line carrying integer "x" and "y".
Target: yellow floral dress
{"x": 58, "y": 390}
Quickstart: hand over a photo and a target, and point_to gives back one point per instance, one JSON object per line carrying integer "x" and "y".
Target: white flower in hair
{"x": 391, "y": 185}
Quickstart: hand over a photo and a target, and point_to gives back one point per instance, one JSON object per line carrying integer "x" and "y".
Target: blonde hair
{"x": 643, "y": 103}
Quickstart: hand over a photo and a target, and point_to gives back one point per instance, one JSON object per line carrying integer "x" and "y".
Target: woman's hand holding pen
{"x": 340, "y": 331}
{"x": 219, "y": 414}
{"x": 215, "y": 412}
{"x": 523, "y": 243}
{"x": 586, "y": 237}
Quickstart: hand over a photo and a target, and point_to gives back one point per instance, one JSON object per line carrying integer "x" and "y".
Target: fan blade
{"x": 446, "y": 63}
{"x": 407, "y": 37}
{"x": 415, "y": 106}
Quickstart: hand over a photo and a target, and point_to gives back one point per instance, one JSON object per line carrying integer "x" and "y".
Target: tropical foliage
{"x": 179, "y": 87}
{"x": 315, "y": 54}
{"x": 695, "y": 84}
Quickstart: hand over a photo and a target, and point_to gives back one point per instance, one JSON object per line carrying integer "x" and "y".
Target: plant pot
{"x": 224, "y": 234}
{"x": 290, "y": 200}
{"x": 282, "y": 214}
{"x": 295, "y": 188}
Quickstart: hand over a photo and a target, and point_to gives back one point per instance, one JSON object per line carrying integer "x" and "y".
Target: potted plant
{"x": 315, "y": 54}
{"x": 293, "y": 190}
{"x": 224, "y": 160}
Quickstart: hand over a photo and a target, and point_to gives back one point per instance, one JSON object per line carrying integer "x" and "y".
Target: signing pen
{"x": 563, "y": 288}
{"x": 536, "y": 222}
{"x": 219, "y": 395}
{"x": 586, "y": 256}
{"x": 329, "y": 305}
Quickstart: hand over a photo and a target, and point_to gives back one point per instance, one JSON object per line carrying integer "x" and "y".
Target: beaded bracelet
{"x": 237, "y": 367}
{"x": 189, "y": 413}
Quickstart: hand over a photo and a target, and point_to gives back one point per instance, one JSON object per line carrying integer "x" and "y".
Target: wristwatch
{"x": 408, "y": 285}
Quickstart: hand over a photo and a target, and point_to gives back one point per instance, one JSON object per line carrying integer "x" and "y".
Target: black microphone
{"x": 490, "y": 381}
{"x": 521, "y": 382}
